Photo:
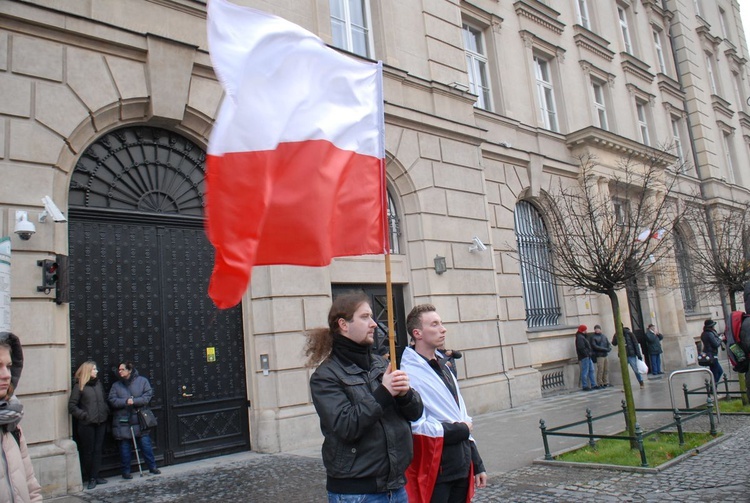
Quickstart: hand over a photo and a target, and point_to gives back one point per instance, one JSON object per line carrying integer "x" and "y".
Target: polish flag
{"x": 427, "y": 433}
{"x": 295, "y": 165}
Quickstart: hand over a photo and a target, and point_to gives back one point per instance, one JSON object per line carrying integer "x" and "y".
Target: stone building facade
{"x": 487, "y": 103}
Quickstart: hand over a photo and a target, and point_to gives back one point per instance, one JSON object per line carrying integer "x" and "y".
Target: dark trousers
{"x": 144, "y": 444}
{"x": 453, "y": 491}
{"x": 90, "y": 442}
{"x": 716, "y": 369}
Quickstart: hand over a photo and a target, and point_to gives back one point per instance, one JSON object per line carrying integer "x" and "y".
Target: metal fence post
{"x": 678, "y": 422}
{"x": 685, "y": 392}
{"x": 710, "y": 409}
{"x": 639, "y": 440}
{"x": 590, "y": 422}
{"x": 543, "y": 427}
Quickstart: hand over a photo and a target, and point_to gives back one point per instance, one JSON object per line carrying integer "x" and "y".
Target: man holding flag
{"x": 446, "y": 466}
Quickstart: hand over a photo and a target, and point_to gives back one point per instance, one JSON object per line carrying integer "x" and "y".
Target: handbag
{"x": 705, "y": 359}
{"x": 146, "y": 418}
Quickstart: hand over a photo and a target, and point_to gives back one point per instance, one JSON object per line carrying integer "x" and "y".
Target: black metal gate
{"x": 138, "y": 291}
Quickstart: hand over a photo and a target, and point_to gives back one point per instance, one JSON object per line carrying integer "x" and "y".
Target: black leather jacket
{"x": 368, "y": 443}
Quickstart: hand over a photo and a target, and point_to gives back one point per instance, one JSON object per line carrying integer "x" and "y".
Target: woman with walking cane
{"x": 127, "y": 395}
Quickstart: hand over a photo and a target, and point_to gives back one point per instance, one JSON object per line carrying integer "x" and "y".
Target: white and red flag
{"x": 427, "y": 433}
{"x": 295, "y": 159}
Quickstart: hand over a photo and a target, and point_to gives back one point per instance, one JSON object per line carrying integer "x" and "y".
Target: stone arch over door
{"x": 139, "y": 269}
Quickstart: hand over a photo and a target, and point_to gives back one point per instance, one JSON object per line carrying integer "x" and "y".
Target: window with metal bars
{"x": 539, "y": 288}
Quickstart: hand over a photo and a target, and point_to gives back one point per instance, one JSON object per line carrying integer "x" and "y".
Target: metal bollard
{"x": 678, "y": 422}
{"x": 639, "y": 441}
{"x": 710, "y": 409}
{"x": 685, "y": 392}
{"x": 590, "y": 422}
{"x": 543, "y": 427}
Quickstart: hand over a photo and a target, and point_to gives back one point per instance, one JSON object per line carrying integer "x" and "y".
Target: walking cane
{"x": 135, "y": 446}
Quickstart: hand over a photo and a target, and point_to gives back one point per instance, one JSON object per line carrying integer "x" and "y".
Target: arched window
{"x": 684, "y": 267}
{"x": 394, "y": 226}
{"x": 539, "y": 289}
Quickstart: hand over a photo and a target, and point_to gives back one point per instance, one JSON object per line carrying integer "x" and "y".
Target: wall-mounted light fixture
{"x": 440, "y": 265}
{"x": 24, "y": 228}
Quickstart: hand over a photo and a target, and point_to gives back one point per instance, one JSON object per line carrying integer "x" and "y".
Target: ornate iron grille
{"x": 553, "y": 379}
{"x": 539, "y": 289}
{"x": 141, "y": 169}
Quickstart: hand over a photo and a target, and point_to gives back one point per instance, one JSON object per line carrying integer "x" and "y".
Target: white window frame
{"x": 622, "y": 15}
{"x": 477, "y": 65}
{"x": 659, "y": 51}
{"x": 711, "y": 73}
{"x": 728, "y": 154}
{"x": 723, "y": 23}
{"x": 600, "y": 103}
{"x": 546, "y": 93}
{"x": 642, "y": 116}
{"x": 698, "y": 7}
{"x": 677, "y": 138}
{"x": 582, "y": 9}
{"x": 348, "y": 43}
{"x": 737, "y": 83}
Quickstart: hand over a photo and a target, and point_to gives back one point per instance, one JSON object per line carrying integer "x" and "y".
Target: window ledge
{"x": 586, "y": 39}
{"x": 540, "y": 14}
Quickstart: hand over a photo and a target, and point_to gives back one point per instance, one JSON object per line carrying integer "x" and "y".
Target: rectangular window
{"x": 659, "y": 51}
{"x": 600, "y": 105}
{"x": 737, "y": 83}
{"x": 583, "y": 14}
{"x": 476, "y": 64}
{"x": 677, "y": 139}
{"x": 729, "y": 155}
{"x": 350, "y": 26}
{"x": 546, "y": 93}
{"x": 711, "y": 75}
{"x": 698, "y": 7}
{"x": 642, "y": 122}
{"x": 723, "y": 23}
{"x": 624, "y": 29}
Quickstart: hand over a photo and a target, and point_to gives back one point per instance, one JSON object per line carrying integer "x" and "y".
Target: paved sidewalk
{"x": 509, "y": 441}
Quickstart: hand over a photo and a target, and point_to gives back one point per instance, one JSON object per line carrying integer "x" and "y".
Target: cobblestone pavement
{"x": 289, "y": 478}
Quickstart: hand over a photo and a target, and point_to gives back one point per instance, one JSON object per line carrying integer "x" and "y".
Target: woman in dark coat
{"x": 127, "y": 395}
{"x": 88, "y": 405}
{"x": 711, "y": 344}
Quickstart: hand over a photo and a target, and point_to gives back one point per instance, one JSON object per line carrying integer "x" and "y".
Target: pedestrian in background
{"x": 583, "y": 350}
{"x": 127, "y": 395}
{"x": 364, "y": 407}
{"x": 711, "y": 343}
{"x": 653, "y": 340}
{"x": 633, "y": 351}
{"x": 88, "y": 406}
{"x": 17, "y": 479}
{"x": 601, "y": 347}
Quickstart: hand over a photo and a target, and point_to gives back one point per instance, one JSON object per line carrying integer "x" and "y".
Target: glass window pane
{"x": 357, "y": 12}
{"x": 337, "y": 9}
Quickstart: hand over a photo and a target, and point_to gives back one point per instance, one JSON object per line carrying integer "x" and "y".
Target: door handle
{"x": 186, "y": 395}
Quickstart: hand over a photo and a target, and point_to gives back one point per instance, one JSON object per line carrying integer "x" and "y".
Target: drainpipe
{"x": 709, "y": 220}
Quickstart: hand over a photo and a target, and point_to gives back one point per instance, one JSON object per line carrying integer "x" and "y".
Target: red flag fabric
{"x": 295, "y": 159}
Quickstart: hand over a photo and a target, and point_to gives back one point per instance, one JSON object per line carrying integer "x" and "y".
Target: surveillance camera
{"x": 24, "y": 228}
{"x": 50, "y": 208}
{"x": 477, "y": 245}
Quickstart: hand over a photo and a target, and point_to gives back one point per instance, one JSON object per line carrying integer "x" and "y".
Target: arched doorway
{"x": 139, "y": 269}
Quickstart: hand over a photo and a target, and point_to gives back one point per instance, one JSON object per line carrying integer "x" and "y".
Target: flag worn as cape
{"x": 295, "y": 159}
{"x": 427, "y": 432}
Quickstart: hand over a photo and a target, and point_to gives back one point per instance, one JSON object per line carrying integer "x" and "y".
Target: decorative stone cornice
{"x": 704, "y": 31}
{"x": 668, "y": 85}
{"x": 590, "y": 68}
{"x": 530, "y": 40}
{"x": 744, "y": 120}
{"x": 722, "y": 106}
{"x": 594, "y": 138}
{"x": 540, "y": 13}
{"x": 634, "y": 66}
{"x": 586, "y": 39}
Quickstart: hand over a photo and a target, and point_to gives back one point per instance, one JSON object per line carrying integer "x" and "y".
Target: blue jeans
{"x": 588, "y": 375}
{"x": 144, "y": 444}
{"x": 655, "y": 364}
{"x": 398, "y": 496}
{"x": 633, "y": 362}
{"x": 716, "y": 369}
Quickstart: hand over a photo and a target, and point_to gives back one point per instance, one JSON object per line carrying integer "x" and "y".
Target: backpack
{"x": 738, "y": 356}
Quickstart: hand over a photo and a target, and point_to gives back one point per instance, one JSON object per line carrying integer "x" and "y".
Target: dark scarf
{"x": 11, "y": 412}
{"x": 349, "y": 350}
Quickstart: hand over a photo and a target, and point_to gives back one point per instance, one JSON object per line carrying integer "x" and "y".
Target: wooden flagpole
{"x": 389, "y": 304}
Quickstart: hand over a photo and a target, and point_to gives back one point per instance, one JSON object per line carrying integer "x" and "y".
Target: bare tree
{"x": 609, "y": 228}
{"x": 717, "y": 252}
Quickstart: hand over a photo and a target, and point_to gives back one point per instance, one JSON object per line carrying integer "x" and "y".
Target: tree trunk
{"x": 622, "y": 354}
